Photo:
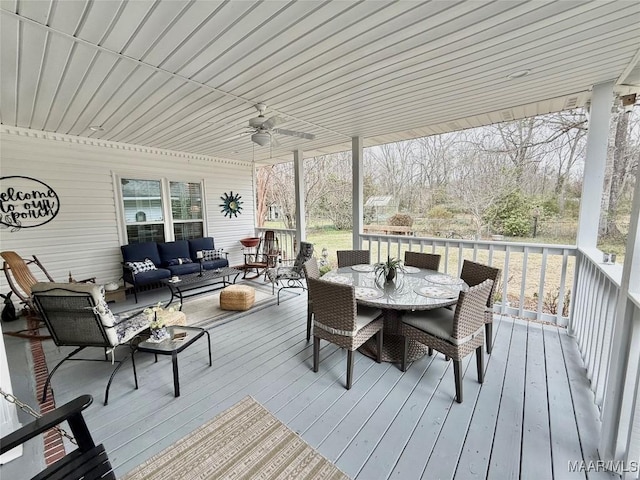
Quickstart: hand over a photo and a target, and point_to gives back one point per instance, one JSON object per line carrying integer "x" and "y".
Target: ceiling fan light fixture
{"x": 261, "y": 138}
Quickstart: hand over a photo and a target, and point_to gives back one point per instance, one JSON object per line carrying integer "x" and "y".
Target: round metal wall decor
{"x": 231, "y": 204}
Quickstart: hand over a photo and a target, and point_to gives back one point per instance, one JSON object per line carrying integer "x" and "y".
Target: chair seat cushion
{"x": 364, "y": 317}
{"x": 213, "y": 264}
{"x": 144, "y": 278}
{"x": 184, "y": 269}
{"x": 438, "y": 323}
{"x": 284, "y": 273}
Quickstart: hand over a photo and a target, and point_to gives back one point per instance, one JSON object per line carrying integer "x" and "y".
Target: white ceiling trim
{"x": 94, "y": 142}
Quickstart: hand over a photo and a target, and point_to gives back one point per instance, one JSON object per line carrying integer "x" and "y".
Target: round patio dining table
{"x": 413, "y": 289}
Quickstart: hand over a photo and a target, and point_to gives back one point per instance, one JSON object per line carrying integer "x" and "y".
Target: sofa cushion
{"x": 197, "y": 244}
{"x": 138, "y": 252}
{"x": 172, "y": 250}
{"x": 177, "y": 261}
{"x": 213, "y": 264}
{"x": 184, "y": 268}
{"x": 151, "y": 276}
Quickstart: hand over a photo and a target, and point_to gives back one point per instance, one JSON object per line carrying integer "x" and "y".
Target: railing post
{"x": 621, "y": 398}
{"x": 357, "y": 163}
{"x": 298, "y": 168}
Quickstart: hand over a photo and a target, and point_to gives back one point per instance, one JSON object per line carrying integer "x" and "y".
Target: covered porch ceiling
{"x": 185, "y": 76}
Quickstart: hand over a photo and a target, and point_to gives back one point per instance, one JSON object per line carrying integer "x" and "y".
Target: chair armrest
{"x": 69, "y": 411}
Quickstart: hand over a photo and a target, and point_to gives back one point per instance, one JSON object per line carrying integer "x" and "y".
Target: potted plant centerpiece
{"x": 386, "y": 271}
{"x": 157, "y": 325}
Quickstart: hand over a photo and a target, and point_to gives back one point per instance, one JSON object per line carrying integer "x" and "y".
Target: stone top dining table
{"x": 412, "y": 289}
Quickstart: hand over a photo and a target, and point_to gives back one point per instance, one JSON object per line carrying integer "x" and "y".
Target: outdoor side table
{"x": 172, "y": 346}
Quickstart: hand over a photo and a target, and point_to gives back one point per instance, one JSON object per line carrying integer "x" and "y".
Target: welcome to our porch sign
{"x": 26, "y": 202}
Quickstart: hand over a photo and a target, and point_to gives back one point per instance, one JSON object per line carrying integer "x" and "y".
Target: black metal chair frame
{"x": 290, "y": 282}
{"x": 84, "y": 308}
{"x": 88, "y": 461}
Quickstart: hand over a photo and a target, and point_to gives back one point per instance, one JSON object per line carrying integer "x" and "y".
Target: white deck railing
{"x": 597, "y": 288}
{"x": 536, "y": 280}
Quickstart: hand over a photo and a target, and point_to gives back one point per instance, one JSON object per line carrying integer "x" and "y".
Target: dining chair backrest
{"x": 346, "y": 258}
{"x": 428, "y": 261}
{"x": 311, "y": 269}
{"x": 475, "y": 273}
{"x": 469, "y": 314}
{"x": 334, "y": 306}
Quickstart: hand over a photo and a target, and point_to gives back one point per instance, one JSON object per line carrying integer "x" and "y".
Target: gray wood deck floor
{"x": 531, "y": 417}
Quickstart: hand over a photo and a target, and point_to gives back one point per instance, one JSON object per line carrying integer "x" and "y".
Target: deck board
{"x": 505, "y": 455}
{"x": 536, "y": 438}
{"x": 389, "y": 425}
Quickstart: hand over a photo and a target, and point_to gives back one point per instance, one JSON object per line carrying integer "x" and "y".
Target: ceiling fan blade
{"x": 271, "y": 122}
{"x": 293, "y": 133}
{"x": 274, "y": 141}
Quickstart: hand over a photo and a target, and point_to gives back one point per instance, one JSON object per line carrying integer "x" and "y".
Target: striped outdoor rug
{"x": 243, "y": 442}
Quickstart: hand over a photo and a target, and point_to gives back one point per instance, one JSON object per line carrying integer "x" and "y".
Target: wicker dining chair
{"x": 454, "y": 333}
{"x": 474, "y": 274}
{"x": 346, "y": 258}
{"x": 311, "y": 270}
{"x": 337, "y": 319}
{"x": 428, "y": 261}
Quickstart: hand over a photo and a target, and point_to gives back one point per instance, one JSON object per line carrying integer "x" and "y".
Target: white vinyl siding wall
{"x": 85, "y": 237}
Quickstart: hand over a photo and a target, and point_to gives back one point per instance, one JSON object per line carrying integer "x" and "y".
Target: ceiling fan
{"x": 263, "y": 128}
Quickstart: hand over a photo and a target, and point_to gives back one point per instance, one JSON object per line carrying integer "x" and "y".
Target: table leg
{"x": 209, "y": 342}
{"x": 176, "y": 381}
{"x": 133, "y": 362}
{"x": 392, "y": 341}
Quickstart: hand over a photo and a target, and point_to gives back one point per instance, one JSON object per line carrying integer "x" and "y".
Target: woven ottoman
{"x": 237, "y": 297}
{"x": 174, "y": 318}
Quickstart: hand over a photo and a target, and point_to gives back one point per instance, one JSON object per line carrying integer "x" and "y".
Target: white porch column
{"x": 620, "y": 436}
{"x": 298, "y": 170}
{"x": 357, "y": 163}
{"x": 594, "y": 165}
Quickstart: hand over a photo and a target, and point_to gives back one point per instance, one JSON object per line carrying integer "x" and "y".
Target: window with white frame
{"x": 162, "y": 210}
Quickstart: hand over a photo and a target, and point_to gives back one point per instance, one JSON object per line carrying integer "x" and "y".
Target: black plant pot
{"x": 391, "y": 274}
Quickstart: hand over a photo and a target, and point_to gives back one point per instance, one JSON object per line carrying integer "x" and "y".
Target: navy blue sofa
{"x": 149, "y": 262}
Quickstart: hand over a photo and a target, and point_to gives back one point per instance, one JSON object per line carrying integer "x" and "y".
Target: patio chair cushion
{"x": 364, "y": 317}
{"x": 439, "y": 323}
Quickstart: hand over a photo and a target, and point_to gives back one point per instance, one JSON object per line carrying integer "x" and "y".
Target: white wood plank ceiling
{"x": 184, "y": 75}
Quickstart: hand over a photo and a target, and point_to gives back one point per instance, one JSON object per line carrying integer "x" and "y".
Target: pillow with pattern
{"x": 212, "y": 254}
{"x": 139, "y": 267}
{"x": 178, "y": 261}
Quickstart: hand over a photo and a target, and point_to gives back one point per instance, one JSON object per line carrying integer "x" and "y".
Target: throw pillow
{"x": 212, "y": 254}
{"x": 178, "y": 261}
{"x": 139, "y": 267}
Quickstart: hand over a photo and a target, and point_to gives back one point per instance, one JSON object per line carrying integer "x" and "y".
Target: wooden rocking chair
{"x": 21, "y": 280}
{"x": 265, "y": 256}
